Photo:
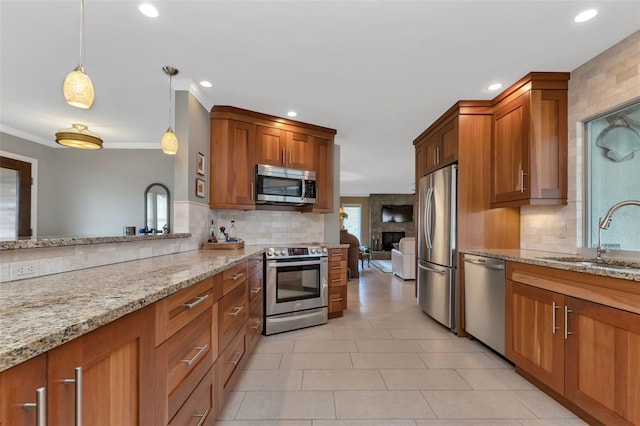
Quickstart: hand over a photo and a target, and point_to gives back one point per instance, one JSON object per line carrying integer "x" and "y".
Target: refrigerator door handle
{"x": 427, "y": 218}
{"x": 432, "y": 270}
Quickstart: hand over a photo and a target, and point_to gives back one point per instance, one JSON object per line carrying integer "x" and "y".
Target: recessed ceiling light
{"x": 148, "y": 10}
{"x": 292, "y": 113}
{"x": 205, "y": 83}
{"x": 494, "y": 86}
{"x": 585, "y": 16}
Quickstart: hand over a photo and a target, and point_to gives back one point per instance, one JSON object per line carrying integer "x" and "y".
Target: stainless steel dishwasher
{"x": 484, "y": 300}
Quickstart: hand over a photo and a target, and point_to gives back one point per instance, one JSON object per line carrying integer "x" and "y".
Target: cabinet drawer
{"x": 337, "y": 255}
{"x": 255, "y": 287}
{"x": 198, "y": 408}
{"x": 233, "y": 277}
{"x": 337, "y": 299}
{"x": 187, "y": 349}
{"x": 232, "y": 314}
{"x": 175, "y": 311}
{"x": 231, "y": 357}
{"x": 254, "y": 265}
{"x": 254, "y": 325}
{"x": 337, "y": 279}
{"x": 338, "y": 267}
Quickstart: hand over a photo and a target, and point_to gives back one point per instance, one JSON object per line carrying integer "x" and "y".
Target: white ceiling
{"x": 377, "y": 71}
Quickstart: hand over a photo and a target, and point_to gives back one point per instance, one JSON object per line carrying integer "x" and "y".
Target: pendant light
{"x": 77, "y": 86}
{"x": 78, "y": 136}
{"x": 169, "y": 140}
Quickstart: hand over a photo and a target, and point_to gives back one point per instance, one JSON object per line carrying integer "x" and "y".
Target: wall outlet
{"x": 26, "y": 269}
{"x": 562, "y": 230}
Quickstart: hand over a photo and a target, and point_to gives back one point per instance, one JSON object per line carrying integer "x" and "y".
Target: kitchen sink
{"x": 614, "y": 264}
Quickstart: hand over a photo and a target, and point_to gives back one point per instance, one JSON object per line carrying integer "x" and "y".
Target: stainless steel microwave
{"x": 278, "y": 185}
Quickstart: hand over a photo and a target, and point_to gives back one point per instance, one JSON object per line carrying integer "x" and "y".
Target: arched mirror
{"x": 156, "y": 208}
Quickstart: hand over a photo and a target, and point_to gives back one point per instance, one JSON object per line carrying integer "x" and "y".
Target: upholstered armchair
{"x": 403, "y": 259}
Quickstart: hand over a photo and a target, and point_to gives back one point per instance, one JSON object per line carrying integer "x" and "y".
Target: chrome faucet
{"x": 604, "y": 223}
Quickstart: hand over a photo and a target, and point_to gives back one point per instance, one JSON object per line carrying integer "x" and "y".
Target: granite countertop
{"x": 77, "y": 241}
{"x": 39, "y": 314}
{"x": 540, "y": 258}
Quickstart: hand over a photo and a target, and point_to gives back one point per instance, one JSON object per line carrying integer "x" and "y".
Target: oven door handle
{"x": 276, "y": 264}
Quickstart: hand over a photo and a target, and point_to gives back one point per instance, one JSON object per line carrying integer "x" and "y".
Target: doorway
{"x": 15, "y": 199}
{"x": 353, "y": 220}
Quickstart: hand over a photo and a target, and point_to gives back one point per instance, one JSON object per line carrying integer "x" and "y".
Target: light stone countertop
{"x": 535, "y": 257}
{"x": 39, "y": 314}
{"x": 77, "y": 241}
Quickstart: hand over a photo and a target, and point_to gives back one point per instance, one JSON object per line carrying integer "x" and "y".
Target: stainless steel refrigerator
{"x": 437, "y": 257}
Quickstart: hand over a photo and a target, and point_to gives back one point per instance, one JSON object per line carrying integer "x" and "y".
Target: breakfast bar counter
{"x": 39, "y": 314}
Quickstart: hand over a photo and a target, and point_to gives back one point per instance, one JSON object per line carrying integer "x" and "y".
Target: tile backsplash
{"x": 271, "y": 227}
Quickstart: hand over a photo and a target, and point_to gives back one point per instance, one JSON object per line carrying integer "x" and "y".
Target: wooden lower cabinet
{"x": 337, "y": 282}
{"x": 602, "y": 368}
{"x": 171, "y": 363}
{"x": 106, "y": 376}
{"x": 586, "y": 353}
{"x": 534, "y": 340}
{"x": 19, "y": 389}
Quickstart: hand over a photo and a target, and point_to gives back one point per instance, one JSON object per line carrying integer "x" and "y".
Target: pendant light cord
{"x": 81, "y": 31}
{"x": 170, "y": 77}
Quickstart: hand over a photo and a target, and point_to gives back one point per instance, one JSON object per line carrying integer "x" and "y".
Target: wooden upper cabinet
{"x": 324, "y": 176}
{"x": 282, "y": 148}
{"x": 270, "y": 146}
{"x": 421, "y": 159}
{"x": 242, "y": 139}
{"x": 529, "y": 143}
{"x": 233, "y": 165}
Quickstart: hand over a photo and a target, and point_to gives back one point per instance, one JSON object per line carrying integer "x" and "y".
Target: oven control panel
{"x": 295, "y": 252}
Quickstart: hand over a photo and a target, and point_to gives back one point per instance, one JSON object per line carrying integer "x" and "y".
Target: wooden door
{"x": 19, "y": 387}
{"x": 603, "y": 362}
{"x": 232, "y": 167}
{"x": 324, "y": 176}
{"x": 270, "y": 146}
{"x": 421, "y": 161}
{"x": 300, "y": 151}
{"x": 534, "y": 332}
{"x": 510, "y": 152}
{"x": 116, "y": 370}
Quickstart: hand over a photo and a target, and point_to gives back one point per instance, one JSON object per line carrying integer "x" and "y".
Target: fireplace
{"x": 388, "y": 238}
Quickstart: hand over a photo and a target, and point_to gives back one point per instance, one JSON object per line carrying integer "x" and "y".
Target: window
{"x": 612, "y": 147}
{"x": 353, "y": 220}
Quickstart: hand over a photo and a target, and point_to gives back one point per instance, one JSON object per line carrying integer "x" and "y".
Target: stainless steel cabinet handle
{"x": 290, "y": 158}
{"x": 567, "y": 311}
{"x": 284, "y": 160}
{"x": 553, "y": 318}
{"x": 251, "y": 191}
{"x": 336, "y": 254}
{"x": 336, "y": 267}
{"x": 336, "y": 280}
{"x": 484, "y": 263}
{"x": 522, "y": 175}
{"x": 78, "y": 394}
{"x": 237, "y": 311}
{"x": 40, "y": 405}
{"x": 201, "y": 350}
{"x": 236, "y": 276}
{"x": 437, "y": 155}
{"x": 339, "y": 299}
{"x": 432, "y": 270}
{"x": 196, "y": 302}
{"x": 202, "y": 416}
{"x": 256, "y": 290}
{"x": 257, "y": 326}
{"x": 237, "y": 360}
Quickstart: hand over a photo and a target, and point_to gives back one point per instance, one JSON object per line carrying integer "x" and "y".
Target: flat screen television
{"x": 398, "y": 214}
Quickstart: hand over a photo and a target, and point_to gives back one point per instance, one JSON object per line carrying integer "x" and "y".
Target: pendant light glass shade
{"x": 78, "y": 136}
{"x": 169, "y": 140}
{"x": 77, "y": 87}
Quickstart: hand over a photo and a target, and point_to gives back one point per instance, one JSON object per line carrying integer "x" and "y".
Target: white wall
{"x": 606, "y": 81}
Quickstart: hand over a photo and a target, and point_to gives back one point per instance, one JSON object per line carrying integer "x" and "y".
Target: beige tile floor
{"x": 385, "y": 363}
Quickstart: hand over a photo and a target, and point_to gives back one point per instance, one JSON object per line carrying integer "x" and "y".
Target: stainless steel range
{"x": 297, "y": 288}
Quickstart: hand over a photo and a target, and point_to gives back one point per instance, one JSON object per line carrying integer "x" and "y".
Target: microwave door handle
{"x": 303, "y": 190}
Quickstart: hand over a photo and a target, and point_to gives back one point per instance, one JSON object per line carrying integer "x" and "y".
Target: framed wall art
{"x": 200, "y": 164}
{"x": 199, "y": 188}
